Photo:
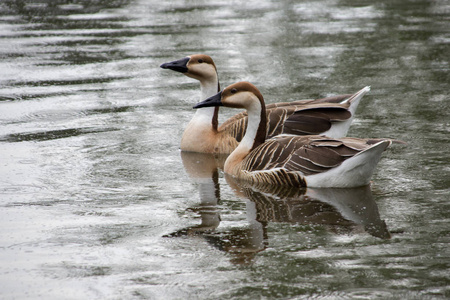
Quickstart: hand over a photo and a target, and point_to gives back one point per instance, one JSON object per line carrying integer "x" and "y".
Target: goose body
{"x": 331, "y": 116}
{"x": 314, "y": 161}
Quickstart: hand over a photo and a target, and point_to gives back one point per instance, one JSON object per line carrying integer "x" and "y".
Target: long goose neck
{"x": 262, "y": 126}
{"x": 209, "y": 87}
{"x": 255, "y": 134}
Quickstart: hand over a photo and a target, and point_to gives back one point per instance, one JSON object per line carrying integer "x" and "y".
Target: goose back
{"x": 290, "y": 160}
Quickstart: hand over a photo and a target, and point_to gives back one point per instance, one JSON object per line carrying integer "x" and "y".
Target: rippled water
{"x": 98, "y": 202}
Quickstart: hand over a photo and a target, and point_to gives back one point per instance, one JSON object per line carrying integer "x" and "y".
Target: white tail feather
{"x": 340, "y": 129}
{"x": 353, "y": 172}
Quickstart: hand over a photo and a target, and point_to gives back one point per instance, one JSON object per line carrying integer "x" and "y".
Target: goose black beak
{"x": 215, "y": 100}
{"x": 177, "y": 65}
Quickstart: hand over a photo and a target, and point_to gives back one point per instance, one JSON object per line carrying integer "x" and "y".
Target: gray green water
{"x": 97, "y": 202}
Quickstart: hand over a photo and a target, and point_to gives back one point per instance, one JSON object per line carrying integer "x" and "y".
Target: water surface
{"x": 98, "y": 202}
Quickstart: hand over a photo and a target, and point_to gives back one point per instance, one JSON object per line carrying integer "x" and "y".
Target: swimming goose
{"x": 314, "y": 161}
{"x": 331, "y": 116}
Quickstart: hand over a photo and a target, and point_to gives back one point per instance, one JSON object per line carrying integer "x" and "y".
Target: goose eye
{"x": 200, "y": 61}
{"x": 233, "y": 91}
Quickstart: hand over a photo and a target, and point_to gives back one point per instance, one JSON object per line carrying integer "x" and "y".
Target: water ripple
{"x": 41, "y": 136}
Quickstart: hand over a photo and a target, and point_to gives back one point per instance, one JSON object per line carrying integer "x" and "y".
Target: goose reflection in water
{"x": 338, "y": 210}
{"x": 203, "y": 170}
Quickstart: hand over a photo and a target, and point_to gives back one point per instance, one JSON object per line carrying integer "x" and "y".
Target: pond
{"x": 98, "y": 202}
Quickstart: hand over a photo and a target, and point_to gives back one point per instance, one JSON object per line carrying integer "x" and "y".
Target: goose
{"x": 331, "y": 116}
{"x": 299, "y": 161}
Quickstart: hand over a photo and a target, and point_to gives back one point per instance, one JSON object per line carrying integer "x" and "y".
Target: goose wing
{"x": 235, "y": 126}
{"x": 307, "y": 154}
{"x": 292, "y": 118}
{"x": 309, "y": 119}
{"x": 333, "y": 99}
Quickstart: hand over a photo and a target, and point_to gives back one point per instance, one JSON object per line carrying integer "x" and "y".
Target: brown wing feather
{"x": 306, "y": 124}
{"x": 334, "y": 113}
{"x": 304, "y": 165}
{"x": 275, "y": 120}
{"x": 288, "y": 118}
{"x": 320, "y": 156}
{"x": 305, "y": 120}
{"x": 235, "y": 126}
{"x": 293, "y": 103}
{"x": 333, "y": 99}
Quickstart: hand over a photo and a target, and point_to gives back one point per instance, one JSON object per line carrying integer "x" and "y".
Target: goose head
{"x": 239, "y": 95}
{"x": 197, "y": 66}
{"x": 243, "y": 95}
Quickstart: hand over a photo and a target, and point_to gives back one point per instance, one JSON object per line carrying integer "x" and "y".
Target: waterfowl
{"x": 331, "y": 116}
{"x": 313, "y": 161}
